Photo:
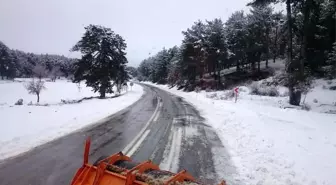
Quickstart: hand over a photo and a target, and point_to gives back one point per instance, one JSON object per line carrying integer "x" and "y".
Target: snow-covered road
{"x": 267, "y": 144}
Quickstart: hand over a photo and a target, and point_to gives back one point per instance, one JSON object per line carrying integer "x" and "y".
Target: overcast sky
{"x": 54, "y": 26}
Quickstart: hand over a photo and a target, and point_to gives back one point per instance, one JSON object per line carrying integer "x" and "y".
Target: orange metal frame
{"x": 98, "y": 175}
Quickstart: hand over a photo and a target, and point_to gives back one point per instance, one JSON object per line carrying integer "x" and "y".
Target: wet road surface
{"x": 172, "y": 134}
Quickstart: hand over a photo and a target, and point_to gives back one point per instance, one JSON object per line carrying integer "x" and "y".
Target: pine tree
{"x": 103, "y": 59}
{"x": 174, "y": 76}
{"x": 216, "y": 48}
{"x": 132, "y": 71}
{"x": 22, "y": 64}
{"x": 258, "y": 37}
{"x": 332, "y": 61}
{"x": 236, "y": 32}
{"x": 277, "y": 34}
{"x": 4, "y": 59}
{"x": 8, "y": 62}
{"x": 193, "y": 53}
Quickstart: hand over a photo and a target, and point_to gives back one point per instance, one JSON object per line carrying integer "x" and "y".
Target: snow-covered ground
{"x": 55, "y": 91}
{"x": 278, "y": 64}
{"x": 24, "y": 127}
{"x": 270, "y": 145}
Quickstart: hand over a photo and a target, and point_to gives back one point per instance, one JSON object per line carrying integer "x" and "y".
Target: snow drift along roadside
{"x": 267, "y": 144}
{"x": 24, "y": 127}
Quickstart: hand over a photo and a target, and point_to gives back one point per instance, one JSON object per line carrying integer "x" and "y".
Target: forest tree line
{"x": 304, "y": 35}
{"x": 16, "y": 63}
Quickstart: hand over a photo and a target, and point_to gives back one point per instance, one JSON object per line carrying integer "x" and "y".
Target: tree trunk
{"x": 2, "y": 69}
{"x": 306, "y": 12}
{"x": 219, "y": 78}
{"x": 102, "y": 91}
{"x": 102, "y": 94}
{"x": 266, "y": 63}
{"x": 259, "y": 60}
{"x": 289, "y": 27}
{"x": 294, "y": 96}
{"x": 38, "y": 97}
{"x": 252, "y": 59}
{"x": 2, "y": 73}
{"x": 258, "y": 65}
{"x": 237, "y": 65}
{"x": 275, "y": 44}
{"x": 267, "y": 47}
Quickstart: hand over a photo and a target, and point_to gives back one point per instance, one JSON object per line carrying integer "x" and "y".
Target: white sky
{"x": 54, "y": 26}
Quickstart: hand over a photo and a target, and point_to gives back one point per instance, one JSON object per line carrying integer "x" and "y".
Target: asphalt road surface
{"x": 159, "y": 126}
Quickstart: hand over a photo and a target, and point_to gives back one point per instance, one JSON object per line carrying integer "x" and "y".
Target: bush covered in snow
{"x": 305, "y": 106}
{"x": 19, "y": 102}
{"x": 212, "y": 95}
{"x": 227, "y": 95}
{"x": 263, "y": 90}
{"x": 277, "y": 79}
{"x": 221, "y": 96}
{"x": 69, "y": 101}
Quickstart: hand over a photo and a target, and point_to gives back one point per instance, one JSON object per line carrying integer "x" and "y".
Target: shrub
{"x": 212, "y": 96}
{"x": 305, "y": 106}
{"x": 69, "y": 101}
{"x": 208, "y": 89}
{"x": 197, "y": 89}
{"x": 227, "y": 95}
{"x": 285, "y": 94}
{"x": 272, "y": 91}
{"x": 315, "y": 101}
{"x": 19, "y": 102}
{"x": 254, "y": 88}
{"x": 262, "y": 90}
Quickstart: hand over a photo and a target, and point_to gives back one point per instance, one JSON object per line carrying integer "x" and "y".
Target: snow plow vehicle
{"x": 119, "y": 169}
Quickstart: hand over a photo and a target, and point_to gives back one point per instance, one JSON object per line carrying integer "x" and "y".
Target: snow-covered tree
{"x": 258, "y": 36}
{"x": 55, "y": 72}
{"x": 40, "y": 71}
{"x": 332, "y": 61}
{"x": 236, "y": 32}
{"x": 277, "y": 36}
{"x": 103, "y": 58}
{"x": 244, "y": 39}
{"x": 22, "y": 64}
{"x": 121, "y": 78}
{"x": 216, "y": 48}
{"x": 7, "y": 62}
{"x": 132, "y": 71}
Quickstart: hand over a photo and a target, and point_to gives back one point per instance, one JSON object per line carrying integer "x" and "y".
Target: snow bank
{"x": 24, "y": 127}
{"x": 321, "y": 98}
{"x": 267, "y": 144}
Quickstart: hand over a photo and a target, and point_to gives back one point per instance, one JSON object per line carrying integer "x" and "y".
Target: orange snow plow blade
{"x": 118, "y": 169}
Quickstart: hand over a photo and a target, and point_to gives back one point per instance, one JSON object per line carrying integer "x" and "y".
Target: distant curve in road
{"x": 172, "y": 134}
